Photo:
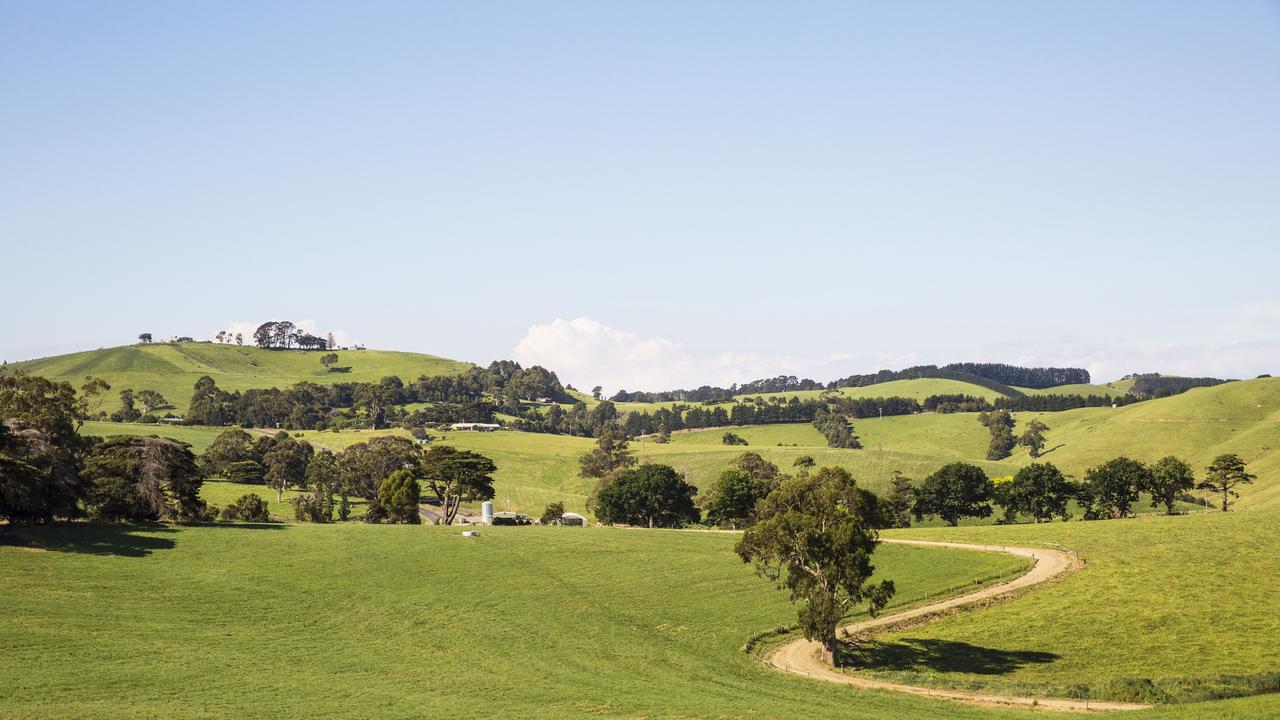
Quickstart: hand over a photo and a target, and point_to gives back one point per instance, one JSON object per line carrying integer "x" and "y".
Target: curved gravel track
{"x": 802, "y": 657}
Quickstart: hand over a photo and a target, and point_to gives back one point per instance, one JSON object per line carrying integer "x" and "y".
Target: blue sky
{"x": 652, "y": 194}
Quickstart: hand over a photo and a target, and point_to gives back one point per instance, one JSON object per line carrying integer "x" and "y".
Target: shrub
{"x": 398, "y": 497}
{"x": 247, "y": 508}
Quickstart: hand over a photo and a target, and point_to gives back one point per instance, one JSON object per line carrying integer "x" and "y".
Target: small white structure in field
{"x": 572, "y": 519}
{"x": 478, "y": 427}
{"x": 470, "y": 533}
{"x": 486, "y": 512}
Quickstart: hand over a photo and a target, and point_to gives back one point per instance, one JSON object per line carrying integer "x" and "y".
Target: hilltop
{"x": 173, "y": 368}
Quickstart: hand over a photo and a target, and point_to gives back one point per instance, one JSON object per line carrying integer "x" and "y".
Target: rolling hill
{"x": 535, "y": 469}
{"x": 173, "y": 368}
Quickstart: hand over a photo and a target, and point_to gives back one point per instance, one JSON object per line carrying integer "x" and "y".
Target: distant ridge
{"x": 173, "y": 368}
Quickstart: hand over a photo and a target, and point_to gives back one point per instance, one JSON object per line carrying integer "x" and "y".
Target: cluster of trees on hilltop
{"x": 1027, "y": 377}
{"x": 284, "y": 335}
{"x": 1155, "y": 385}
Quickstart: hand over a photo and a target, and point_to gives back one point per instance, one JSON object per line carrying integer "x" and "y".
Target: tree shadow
{"x": 103, "y": 538}
{"x": 1055, "y": 447}
{"x": 942, "y": 656}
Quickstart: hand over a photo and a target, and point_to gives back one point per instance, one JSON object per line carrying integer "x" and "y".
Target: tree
{"x": 1223, "y": 475}
{"x": 127, "y": 412}
{"x": 1111, "y": 489}
{"x": 898, "y": 501}
{"x": 955, "y": 491}
{"x": 210, "y": 405}
{"x": 264, "y": 336}
{"x": 232, "y": 445}
{"x": 1000, "y": 424}
{"x": 754, "y": 464}
{"x": 145, "y": 337}
{"x": 648, "y": 495}
{"x": 733, "y": 439}
{"x": 610, "y": 454}
{"x": 1169, "y": 478}
{"x": 322, "y": 478}
{"x": 815, "y": 537}
{"x": 144, "y": 479}
{"x": 34, "y": 485}
{"x": 245, "y": 471}
{"x": 803, "y": 464}
{"x": 553, "y": 513}
{"x": 287, "y": 464}
{"x": 363, "y": 466}
{"x": 596, "y": 392}
{"x": 249, "y": 507}
{"x": 1038, "y": 490}
{"x": 328, "y": 360}
{"x": 836, "y": 428}
{"x": 456, "y": 476}
{"x": 40, "y": 468}
{"x": 91, "y": 393}
{"x": 151, "y": 400}
{"x": 731, "y": 500}
{"x": 398, "y": 497}
{"x": 1033, "y": 437}
{"x": 240, "y": 338}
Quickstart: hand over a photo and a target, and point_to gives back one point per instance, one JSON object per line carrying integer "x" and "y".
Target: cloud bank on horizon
{"x": 585, "y": 352}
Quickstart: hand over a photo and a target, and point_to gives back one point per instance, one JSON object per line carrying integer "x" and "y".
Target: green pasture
{"x": 173, "y": 368}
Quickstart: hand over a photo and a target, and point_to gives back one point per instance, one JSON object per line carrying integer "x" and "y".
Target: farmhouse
{"x": 478, "y": 427}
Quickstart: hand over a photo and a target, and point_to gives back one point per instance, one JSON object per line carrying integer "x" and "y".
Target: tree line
{"x": 473, "y": 396}
{"x": 49, "y": 472}
{"x": 958, "y": 402}
{"x": 994, "y": 376}
{"x": 587, "y": 422}
{"x": 1155, "y": 385}
{"x": 390, "y": 473}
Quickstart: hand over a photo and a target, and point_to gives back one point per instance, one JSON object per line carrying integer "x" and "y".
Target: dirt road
{"x": 802, "y": 656}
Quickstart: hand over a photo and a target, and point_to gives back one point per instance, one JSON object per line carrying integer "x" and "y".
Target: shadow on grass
{"x": 122, "y": 539}
{"x": 943, "y": 656}
{"x": 1055, "y": 447}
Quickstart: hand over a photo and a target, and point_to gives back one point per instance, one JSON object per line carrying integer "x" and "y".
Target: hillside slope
{"x": 173, "y": 368}
{"x": 535, "y": 469}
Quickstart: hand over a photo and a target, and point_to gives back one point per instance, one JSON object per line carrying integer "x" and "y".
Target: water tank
{"x": 486, "y": 512}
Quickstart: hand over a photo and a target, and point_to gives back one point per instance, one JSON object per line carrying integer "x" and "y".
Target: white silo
{"x": 486, "y": 512}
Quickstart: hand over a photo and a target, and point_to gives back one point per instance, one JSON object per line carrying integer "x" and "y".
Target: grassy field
{"x": 918, "y": 389}
{"x": 1172, "y": 600}
{"x": 402, "y": 621}
{"x": 535, "y": 469}
{"x": 173, "y": 368}
{"x": 198, "y": 436}
{"x": 1111, "y": 389}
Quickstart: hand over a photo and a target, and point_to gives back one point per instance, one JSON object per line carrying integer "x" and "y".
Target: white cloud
{"x": 584, "y": 353}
